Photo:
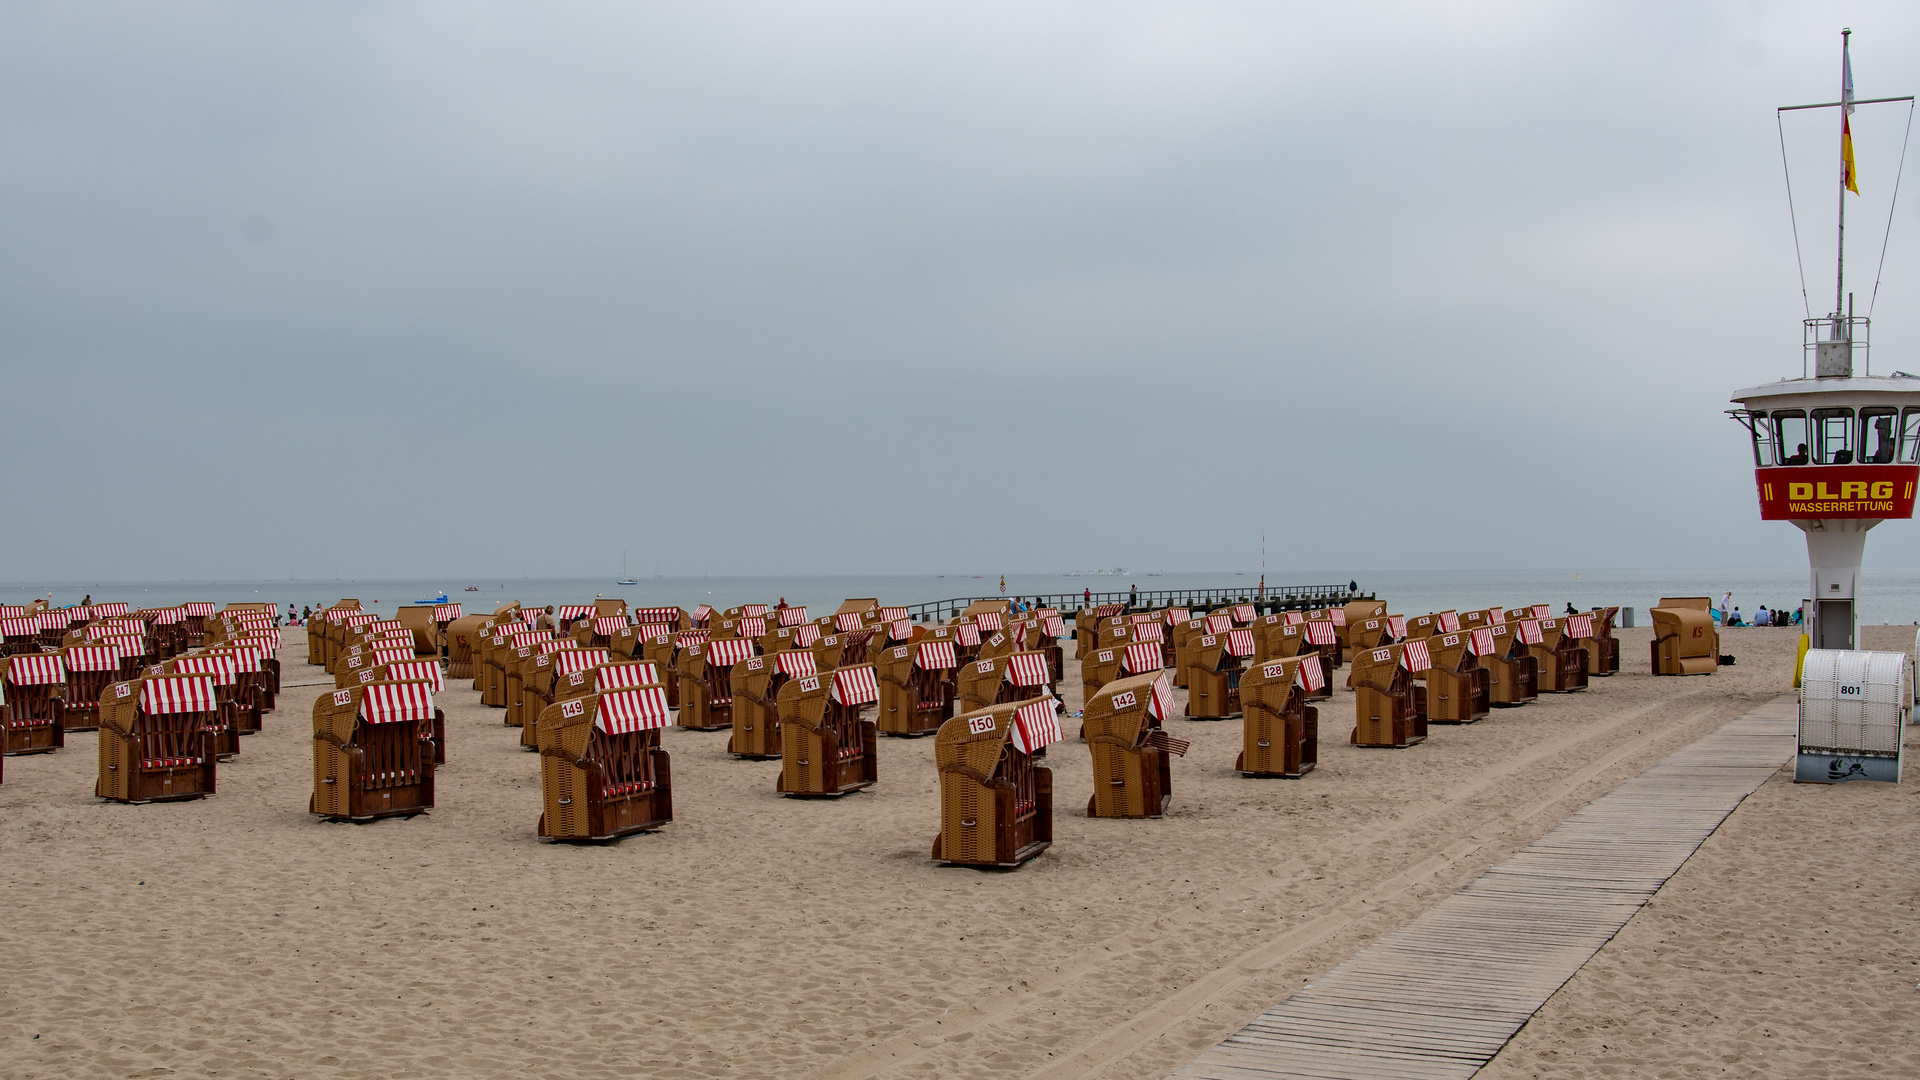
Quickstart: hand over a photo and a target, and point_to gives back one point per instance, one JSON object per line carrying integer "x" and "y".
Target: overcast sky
{"x": 479, "y": 289}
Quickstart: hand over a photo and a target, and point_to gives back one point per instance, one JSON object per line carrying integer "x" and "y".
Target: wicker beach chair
{"x": 1102, "y": 666}
{"x": 545, "y": 681}
{"x": 996, "y": 800}
{"x": 1281, "y": 735}
{"x": 827, "y": 749}
{"x": 373, "y": 752}
{"x": 916, "y": 687}
{"x": 1685, "y": 640}
{"x": 1132, "y": 777}
{"x": 32, "y": 706}
{"x": 1603, "y": 649}
{"x": 1561, "y": 660}
{"x": 230, "y": 716}
{"x": 1086, "y": 626}
{"x": 603, "y": 772}
{"x": 462, "y": 636}
{"x": 1513, "y": 675}
{"x": 756, "y": 684}
{"x": 154, "y": 744}
{"x": 706, "y": 683}
{"x": 422, "y": 622}
{"x": 1214, "y": 677}
{"x": 1353, "y": 613}
{"x": 90, "y": 668}
{"x": 1389, "y": 707}
{"x": 521, "y": 706}
{"x": 1372, "y": 633}
{"x": 1456, "y": 683}
{"x": 1014, "y": 676}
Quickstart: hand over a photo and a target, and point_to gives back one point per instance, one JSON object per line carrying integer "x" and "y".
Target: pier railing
{"x": 1275, "y": 598}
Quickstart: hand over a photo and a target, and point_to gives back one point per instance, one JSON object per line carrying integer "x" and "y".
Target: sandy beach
{"x": 762, "y": 936}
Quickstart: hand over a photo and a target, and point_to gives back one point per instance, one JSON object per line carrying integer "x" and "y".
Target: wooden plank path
{"x": 1438, "y": 997}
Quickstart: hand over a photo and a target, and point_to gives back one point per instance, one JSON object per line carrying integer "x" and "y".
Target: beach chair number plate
{"x": 1381, "y": 656}
{"x": 1125, "y": 701}
{"x": 573, "y": 708}
{"x": 984, "y": 667}
{"x": 809, "y": 684}
{"x": 980, "y": 725}
{"x": 754, "y": 663}
{"x": 900, "y": 653}
{"x": 1272, "y": 671}
{"x": 123, "y": 690}
{"x": 341, "y": 697}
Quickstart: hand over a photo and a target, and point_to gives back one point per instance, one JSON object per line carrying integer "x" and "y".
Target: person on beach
{"x": 1133, "y": 596}
{"x": 306, "y": 614}
{"x": 1733, "y": 618}
{"x": 782, "y": 605}
{"x": 1571, "y": 610}
{"x": 1086, "y": 597}
{"x": 1726, "y": 603}
{"x": 1353, "y": 586}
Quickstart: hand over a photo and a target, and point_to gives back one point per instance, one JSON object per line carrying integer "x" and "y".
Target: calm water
{"x": 1888, "y": 595}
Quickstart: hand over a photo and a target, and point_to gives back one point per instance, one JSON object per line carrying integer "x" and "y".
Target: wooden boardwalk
{"x": 1440, "y": 996}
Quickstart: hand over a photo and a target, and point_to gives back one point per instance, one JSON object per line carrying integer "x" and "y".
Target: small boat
{"x": 441, "y": 599}
{"x": 623, "y": 579}
{"x": 473, "y": 588}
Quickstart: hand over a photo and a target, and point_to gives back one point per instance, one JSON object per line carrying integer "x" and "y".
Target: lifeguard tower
{"x": 1836, "y": 451}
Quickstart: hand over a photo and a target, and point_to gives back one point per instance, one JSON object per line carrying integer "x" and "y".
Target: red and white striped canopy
{"x": 936, "y": 656}
{"x": 1149, "y": 631}
{"x": 526, "y": 639}
{"x": 1481, "y": 643}
{"x": 443, "y": 613}
{"x": 1320, "y": 633}
{"x": 357, "y": 618}
{"x": 1311, "y": 675}
{"x": 266, "y": 638}
{"x": 177, "y": 694}
{"x": 855, "y": 686}
{"x": 892, "y": 614}
{"x": 1415, "y": 658}
{"x": 1449, "y": 622}
{"x": 805, "y": 636}
{"x": 417, "y": 671}
{"x": 1243, "y": 613}
{"x": 221, "y": 667}
{"x": 1337, "y": 615}
{"x": 687, "y": 639}
{"x": 1160, "y": 700}
{"x": 245, "y": 657}
{"x": 658, "y": 615}
{"x": 1107, "y": 611}
{"x": 1530, "y": 632}
{"x": 1143, "y": 617}
{"x": 654, "y": 630}
{"x": 622, "y": 712}
{"x": 531, "y": 614}
{"x": 1142, "y": 657}
{"x": 726, "y": 652}
{"x": 128, "y": 645}
{"x": 572, "y": 611}
{"x": 609, "y": 625}
{"x": 1178, "y": 614}
{"x": 108, "y": 611}
{"x": 966, "y": 636}
{"x": 396, "y": 702}
{"x": 702, "y": 613}
{"x": 169, "y": 617}
{"x": 1542, "y": 611}
{"x": 93, "y": 658}
{"x": 621, "y": 676}
{"x": 1293, "y": 618}
{"x": 1035, "y": 726}
{"x": 37, "y": 669}
{"x": 752, "y": 626}
{"x": 1219, "y": 624}
{"x": 1580, "y": 626}
{"x": 199, "y": 610}
{"x": 555, "y": 645}
{"x": 900, "y": 629}
{"x": 381, "y": 626}
{"x": 1027, "y": 669}
{"x": 78, "y": 614}
{"x": 1397, "y": 626}
{"x": 796, "y": 663}
{"x": 988, "y": 620}
{"x": 793, "y": 616}
{"x": 21, "y": 627}
{"x": 1240, "y": 642}
{"x": 849, "y": 620}
{"x": 754, "y": 611}
{"x": 568, "y": 661}
{"x": 1053, "y": 626}
{"x": 391, "y": 656}
{"x": 95, "y": 631}
{"x": 13, "y": 611}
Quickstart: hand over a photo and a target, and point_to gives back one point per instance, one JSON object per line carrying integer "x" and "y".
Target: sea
{"x": 1887, "y": 595}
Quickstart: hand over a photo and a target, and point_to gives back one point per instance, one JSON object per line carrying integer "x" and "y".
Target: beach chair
{"x": 756, "y": 700}
{"x": 373, "y": 752}
{"x": 543, "y": 683}
{"x": 1685, "y": 640}
{"x": 462, "y": 636}
{"x": 995, "y": 680}
{"x": 1603, "y": 649}
{"x": 566, "y": 615}
{"x": 521, "y": 669}
{"x": 1132, "y": 777}
{"x": 1561, "y": 660}
{"x": 424, "y": 670}
{"x": 1281, "y": 732}
{"x": 1389, "y": 707}
{"x": 1086, "y": 626}
{"x": 1102, "y": 666}
{"x": 230, "y": 717}
{"x": 90, "y": 668}
{"x": 1374, "y": 632}
{"x": 603, "y": 772}
{"x": 916, "y": 687}
{"x": 706, "y": 683}
{"x": 32, "y": 710}
{"x": 1513, "y": 675}
{"x": 1426, "y": 626}
{"x": 252, "y": 682}
{"x": 1456, "y": 683}
{"x": 420, "y": 620}
{"x": 1213, "y": 686}
{"x": 154, "y": 742}
{"x": 598, "y": 632}
{"x": 826, "y": 748}
{"x": 996, "y": 801}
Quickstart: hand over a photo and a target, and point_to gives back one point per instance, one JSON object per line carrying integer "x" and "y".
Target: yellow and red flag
{"x": 1847, "y": 176}
{"x": 1846, "y": 156}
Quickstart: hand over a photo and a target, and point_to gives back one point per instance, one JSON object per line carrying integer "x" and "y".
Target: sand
{"x": 762, "y": 936}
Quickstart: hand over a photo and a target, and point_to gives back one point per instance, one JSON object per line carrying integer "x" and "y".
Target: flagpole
{"x": 1840, "y": 262}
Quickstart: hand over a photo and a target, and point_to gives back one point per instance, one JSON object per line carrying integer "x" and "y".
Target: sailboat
{"x": 623, "y": 579}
